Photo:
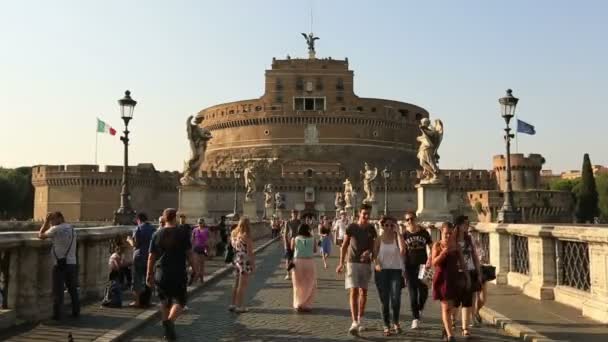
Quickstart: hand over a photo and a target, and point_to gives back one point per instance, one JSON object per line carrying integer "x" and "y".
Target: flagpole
{"x": 96, "y": 135}
{"x": 516, "y": 134}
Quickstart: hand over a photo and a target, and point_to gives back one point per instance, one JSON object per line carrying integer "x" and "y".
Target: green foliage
{"x": 602, "y": 190}
{"x": 16, "y": 193}
{"x": 565, "y": 184}
{"x": 587, "y": 204}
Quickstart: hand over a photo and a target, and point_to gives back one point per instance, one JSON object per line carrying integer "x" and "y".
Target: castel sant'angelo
{"x": 305, "y": 135}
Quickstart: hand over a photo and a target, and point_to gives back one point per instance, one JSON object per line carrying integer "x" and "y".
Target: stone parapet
{"x": 27, "y": 264}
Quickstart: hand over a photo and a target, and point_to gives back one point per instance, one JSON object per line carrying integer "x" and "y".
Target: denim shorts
{"x": 357, "y": 275}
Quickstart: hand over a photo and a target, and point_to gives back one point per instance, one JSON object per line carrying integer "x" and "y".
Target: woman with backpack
{"x": 200, "y": 240}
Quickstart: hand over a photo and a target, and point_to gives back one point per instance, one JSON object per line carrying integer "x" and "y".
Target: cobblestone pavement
{"x": 271, "y": 317}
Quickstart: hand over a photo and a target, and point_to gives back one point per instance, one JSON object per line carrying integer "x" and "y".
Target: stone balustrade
{"x": 565, "y": 263}
{"x": 26, "y": 264}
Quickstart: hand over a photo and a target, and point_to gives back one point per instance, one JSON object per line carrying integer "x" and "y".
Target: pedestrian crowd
{"x": 398, "y": 255}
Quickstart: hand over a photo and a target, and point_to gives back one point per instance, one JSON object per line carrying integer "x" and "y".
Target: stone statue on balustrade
{"x": 268, "y": 196}
{"x": 249, "y": 184}
{"x": 348, "y": 194}
{"x": 369, "y": 177}
{"x": 198, "y": 138}
{"x": 430, "y": 140}
{"x": 340, "y": 202}
{"x": 279, "y": 200}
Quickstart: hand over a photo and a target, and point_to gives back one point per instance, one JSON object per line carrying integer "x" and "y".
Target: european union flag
{"x": 524, "y": 127}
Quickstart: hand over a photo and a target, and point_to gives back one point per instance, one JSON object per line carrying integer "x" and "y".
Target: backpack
{"x": 112, "y": 297}
{"x": 201, "y": 238}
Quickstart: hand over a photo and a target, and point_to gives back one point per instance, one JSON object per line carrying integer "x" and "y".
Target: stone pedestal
{"x": 250, "y": 210}
{"x": 433, "y": 203}
{"x": 374, "y": 212}
{"x": 193, "y": 201}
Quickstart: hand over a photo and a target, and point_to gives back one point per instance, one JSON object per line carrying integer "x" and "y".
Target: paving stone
{"x": 271, "y": 317}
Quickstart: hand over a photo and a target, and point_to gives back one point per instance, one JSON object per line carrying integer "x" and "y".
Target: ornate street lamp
{"x": 386, "y": 173}
{"x": 507, "y": 213}
{"x": 237, "y": 175}
{"x": 125, "y": 215}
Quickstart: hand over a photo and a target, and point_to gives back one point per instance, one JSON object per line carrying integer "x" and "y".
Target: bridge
{"x": 552, "y": 285}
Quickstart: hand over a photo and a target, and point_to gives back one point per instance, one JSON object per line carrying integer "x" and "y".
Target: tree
{"x": 602, "y": 190}
{"x": 587, "y": 206}
{"x": 565, "y": 184}
{"x": 16, "y": 193}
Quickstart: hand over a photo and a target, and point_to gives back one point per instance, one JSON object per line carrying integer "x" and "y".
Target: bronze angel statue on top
{"x": 430, "y": 140}
{"x": 310, "y": 40}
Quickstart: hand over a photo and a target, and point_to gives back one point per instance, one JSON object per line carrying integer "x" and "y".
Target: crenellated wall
{"x": 85, "y": 193}
{"x": 525, "y": 171}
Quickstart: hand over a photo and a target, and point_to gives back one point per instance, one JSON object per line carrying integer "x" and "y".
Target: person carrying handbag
{"x": 63, "y": 238}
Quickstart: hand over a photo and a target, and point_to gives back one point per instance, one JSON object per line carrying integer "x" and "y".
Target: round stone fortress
{"x": 310, "y": 113}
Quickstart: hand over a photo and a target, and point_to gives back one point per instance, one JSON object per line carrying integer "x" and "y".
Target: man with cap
{"x": 339, "y": 228}
{"x": 290, "y": 231}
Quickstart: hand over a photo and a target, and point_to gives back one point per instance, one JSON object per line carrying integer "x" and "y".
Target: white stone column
{"x": 541, "y": 252}
{"x": 45, "y": 282}
{"x": 597, "y": 308}
{"x": 500, "y": 254}
{"x": 27, "y": 298}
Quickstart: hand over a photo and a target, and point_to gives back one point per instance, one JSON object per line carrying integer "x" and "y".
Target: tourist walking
{"x": 481, "y": 297}
{"x": 63, "y": 250}
{"x": 357, "y": 252}
{"x": 140, "y": 241}
{"x": 244, "y": 263}
{"x": 221, "y": 247}
{"x": 418, "y": 244}
{"x": 390, "y": 250}
{"x": 325, "y": 240}
{"x": 471, "y": 269}
{"x": 339, "y": 228}
{"x": 447, "y": 280}
{"x": 275, "y": 226}
{"x": 290, "y": 230}
{"x": 200, "y": 240}
{"x": 304, "y": 274}
{"x": 169, "y": 249}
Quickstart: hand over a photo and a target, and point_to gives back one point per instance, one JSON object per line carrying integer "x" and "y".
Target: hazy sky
{"x": 63, "y": 63}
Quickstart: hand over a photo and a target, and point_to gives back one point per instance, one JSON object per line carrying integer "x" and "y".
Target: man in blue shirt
{"x": 141, "y": 244}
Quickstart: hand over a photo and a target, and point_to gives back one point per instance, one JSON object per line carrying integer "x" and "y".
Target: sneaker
{"x": 241, "y": 309}
{"x": 231, "y": 308}
{"x": 415, "y": 324}
{"x": 169, "y": 328}
{"x": 287, "y": 277}
{"x": 354, "y": 328}
{"x": 360, "y": 325}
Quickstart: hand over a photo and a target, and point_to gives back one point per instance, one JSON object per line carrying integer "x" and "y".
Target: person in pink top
{"x": 200, "y": 240}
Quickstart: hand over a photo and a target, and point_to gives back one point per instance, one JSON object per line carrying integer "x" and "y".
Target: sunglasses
{"x": 408, "y": 219}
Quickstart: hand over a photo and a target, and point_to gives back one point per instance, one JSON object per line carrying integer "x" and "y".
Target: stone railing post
{"x": 92, "y": 264}
{"x": 500, "y": 255}
{"x": 27, "y": 297}
{"x": 45, "y": 282}
{"x": 597, "y": 307}
{"x": 542, "y": 272}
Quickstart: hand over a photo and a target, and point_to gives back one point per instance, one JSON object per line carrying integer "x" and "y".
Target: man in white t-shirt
{"x": 63, "y": 254}
{"x": 339, "y": 228}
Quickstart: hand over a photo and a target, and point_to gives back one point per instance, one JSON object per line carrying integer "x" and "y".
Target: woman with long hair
{"x": 304, "y": 274}
{"x": 244, "y": 263}
{"x": 390, "y": 250}
{"x": 325, "y": 239}
{"x": 447, "y": 281}
{"x": 200, "y": 247}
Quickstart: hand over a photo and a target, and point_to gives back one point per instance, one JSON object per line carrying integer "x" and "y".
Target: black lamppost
{"x": 386, "y": 173}
{"x": 125, "y": 215}
{"x": 237, "y": 175}
{"x": 508, "y": 214}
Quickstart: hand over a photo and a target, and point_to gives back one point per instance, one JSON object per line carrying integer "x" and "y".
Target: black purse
{"x": 488, "y": 273}
{"x": 229, "y": 255}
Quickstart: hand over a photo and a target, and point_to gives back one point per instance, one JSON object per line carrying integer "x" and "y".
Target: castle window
{"x": 340, "y": 84}
{"x": 299, "y": 83}
{"x": 339, "y": 98}
{"x": 403, "y": 113}
{"x": 359, "y": 108}
{"x": 308, "y": 103}
{"x": 373, "y": 109}
{"x": 278, "y": 85}
{"x": 343, "y": 109}
{"x": 278, "y": 99}
{"x": 418, "y": 116}
{"x": 318, "y": 84}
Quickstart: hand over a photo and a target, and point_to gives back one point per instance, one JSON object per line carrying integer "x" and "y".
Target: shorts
{"x": 139, "y": 276}
{"x": 288, "y": 254}
{"x": 357, "y": 275}
{"x": 173, "y": 292}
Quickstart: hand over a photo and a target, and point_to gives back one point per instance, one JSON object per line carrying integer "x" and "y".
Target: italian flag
{"x": 103, "y": 127}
